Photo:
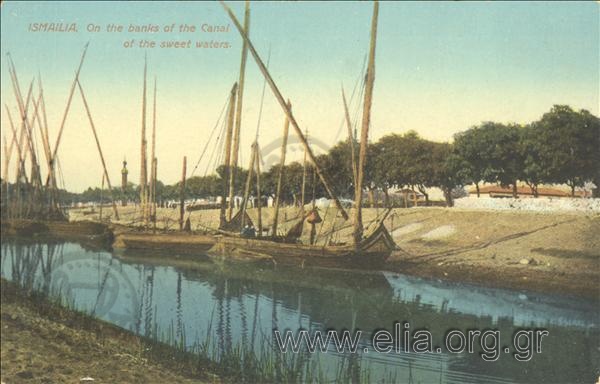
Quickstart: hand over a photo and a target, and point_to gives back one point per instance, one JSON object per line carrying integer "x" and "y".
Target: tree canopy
{"x": 563, "y": 146}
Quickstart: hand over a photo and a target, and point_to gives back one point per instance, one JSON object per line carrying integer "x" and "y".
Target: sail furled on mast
{"x": 366, "y": 120}
{"x": 225, "y": 214}
{"x": 238, "y": 111}
{"x": 143, "y": 150}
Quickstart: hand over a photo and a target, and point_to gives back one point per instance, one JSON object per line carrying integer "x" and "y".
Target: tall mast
{"x": 51, "y": 175}
{"x": 182, "y": 194}
{"x": 151, "y": 194}
{"x": 43, "y": 124}
{"x": 89, "y": 115}
{"x": 286, "y": 110}
{"x": 23, "y": 110}
{"x": 227, "y": 157}
{"x": 303, "y": 194}
{"x": 238, "y": 111}
{"x": 20, "y": 169}
{"x": 143, "y": 164}
{"x": 286, "y": 128}
{"x": 248, "y": 184}
{"x": 350, "y": 140}
{"x": 7, "y": 156}
{"x": 364, "y": 133}
{"x": 258, "y": 191}
{"x": 17, "y": 143}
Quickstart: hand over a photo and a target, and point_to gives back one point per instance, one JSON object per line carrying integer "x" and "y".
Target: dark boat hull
{"x": 181, "y": 243}
{"x": 371, "y": 253}
{"x": 68, "y": 230}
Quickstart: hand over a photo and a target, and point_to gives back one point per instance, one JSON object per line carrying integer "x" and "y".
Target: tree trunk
{"x": 386, "y": 197}
{"x": 448, "y": 197}
{"x": 573, "y": 190}
{"x": 514, "y": 190}
{"x": 477, "y": 188}
{"x": 423, "y": 190}
{"x": 533, "y": 186}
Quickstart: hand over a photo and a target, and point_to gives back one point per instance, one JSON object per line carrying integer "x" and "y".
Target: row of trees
{"x": 562, "y": 147}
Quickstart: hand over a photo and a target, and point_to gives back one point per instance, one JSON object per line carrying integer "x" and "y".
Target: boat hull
{"x": 257, "y": 250}
{"x": 67, "y": 230}
{"x": 180, "y": 243}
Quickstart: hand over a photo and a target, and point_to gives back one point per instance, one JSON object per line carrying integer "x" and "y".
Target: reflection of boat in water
{"x": 522, "y": 309}
{"x": 338, "y": 280}
{"x": 240, "y": 304}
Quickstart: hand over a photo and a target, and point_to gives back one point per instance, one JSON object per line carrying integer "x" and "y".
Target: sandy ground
{"x": 558, "y": 253}
{"x": 56, "y": 347}
{"x": 554, "y": 253}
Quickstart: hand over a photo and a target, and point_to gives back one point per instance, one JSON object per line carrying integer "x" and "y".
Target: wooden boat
{"x": 68, "y": 230}
{"x": 369, "y": 249}
{"x": 173, "y": 242}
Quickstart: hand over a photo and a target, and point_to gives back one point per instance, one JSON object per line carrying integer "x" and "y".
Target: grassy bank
{"x": 43, "y": 342}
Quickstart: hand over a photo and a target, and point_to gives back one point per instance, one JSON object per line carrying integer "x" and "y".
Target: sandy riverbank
{"x": 553, "y": 253}
{"x": 558, "y": 253}
{"x": 45, "y": 343}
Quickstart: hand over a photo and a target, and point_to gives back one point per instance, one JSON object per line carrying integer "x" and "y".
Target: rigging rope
{"x": 357, "y": 110}
{"x": 220, "y": 143}
{"x": 262, "y": 97}
{"x": 210, "y": 137}
{"x": 360, "y": 76}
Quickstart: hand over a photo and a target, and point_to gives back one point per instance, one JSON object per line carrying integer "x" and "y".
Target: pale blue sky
{"x": 441, "y": 67}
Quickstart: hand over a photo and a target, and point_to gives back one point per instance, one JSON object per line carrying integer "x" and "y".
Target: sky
{"x": 441, "y": 67}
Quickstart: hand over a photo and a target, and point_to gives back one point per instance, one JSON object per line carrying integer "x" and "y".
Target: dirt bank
{"x": 44, "y": 343}
{"x": 540, "y": 251}
{"x": 558, "y": 253}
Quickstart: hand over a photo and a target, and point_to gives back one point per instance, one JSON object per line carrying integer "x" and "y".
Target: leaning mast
{"x": 238, "y": 114}
{"x": 286, "y": 110}
{"x": 143, "y": 162}
{"x": 364, "y": 134}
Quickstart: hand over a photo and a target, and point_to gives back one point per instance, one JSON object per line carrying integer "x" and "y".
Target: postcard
{"x": 300, "y": 192}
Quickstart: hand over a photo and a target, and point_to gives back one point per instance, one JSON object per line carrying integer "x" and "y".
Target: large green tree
{"x": 491, "y": 152}
{"x": 448, "y": 170}
{"x": 568, "y": 146}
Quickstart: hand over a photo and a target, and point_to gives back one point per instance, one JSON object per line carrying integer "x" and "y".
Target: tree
{"x": 568, "y": 143}
{"x": 337, "y": 165}
{"x": 403, "y": 160}
{"x": 532, "y": 172}
{"x": 239, "y": 181}
{"x": 203, "y": 186}
{"x": 376, "y": 174}
{"x": 492, "y": 153}
{"x": 447, "y": 170}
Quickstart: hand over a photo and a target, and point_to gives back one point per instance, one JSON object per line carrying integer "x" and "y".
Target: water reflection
{"x": 232, "y": 307}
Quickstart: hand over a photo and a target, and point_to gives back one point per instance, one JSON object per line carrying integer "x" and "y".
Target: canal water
{"x": 237, "y": 307}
